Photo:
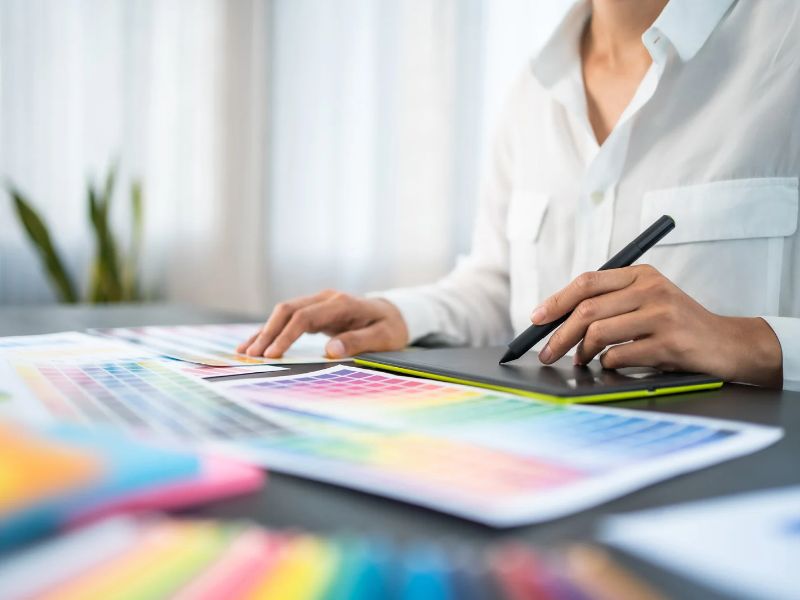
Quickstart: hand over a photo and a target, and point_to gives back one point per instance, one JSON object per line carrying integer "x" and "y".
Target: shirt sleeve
{"x": 787, "y": 329}
{"x": 470, "y": 305}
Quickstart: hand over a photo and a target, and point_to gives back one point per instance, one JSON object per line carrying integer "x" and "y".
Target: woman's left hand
{"x": 649, "y": 321}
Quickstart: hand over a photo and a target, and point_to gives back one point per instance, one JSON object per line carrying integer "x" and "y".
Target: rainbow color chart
{"x": 491, "y": 457}
{"x": 214, "y": 345}
{"x": 157, "y": 558}
{"x": 139, "y": 395}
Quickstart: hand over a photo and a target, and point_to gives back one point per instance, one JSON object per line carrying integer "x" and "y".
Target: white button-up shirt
{"x": 711, "y": 138}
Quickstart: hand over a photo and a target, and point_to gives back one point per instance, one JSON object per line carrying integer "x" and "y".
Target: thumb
{"x": 373, "y": 338}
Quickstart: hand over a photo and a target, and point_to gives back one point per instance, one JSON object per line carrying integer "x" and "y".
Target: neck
{"x": 616, "y": 26}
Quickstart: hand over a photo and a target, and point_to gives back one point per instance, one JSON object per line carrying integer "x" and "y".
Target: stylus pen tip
{"x": 508, "y": 356}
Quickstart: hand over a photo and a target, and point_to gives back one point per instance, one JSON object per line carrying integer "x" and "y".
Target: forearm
{"x": 467, "y": 307}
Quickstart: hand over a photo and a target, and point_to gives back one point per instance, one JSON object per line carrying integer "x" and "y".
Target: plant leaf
{"x": 106, "y": 253}
{"x": 96, "y": 291}
{"x": 40, "y": 237}
{"x": 108, "y": 190}
{"x": 130, "y": 284}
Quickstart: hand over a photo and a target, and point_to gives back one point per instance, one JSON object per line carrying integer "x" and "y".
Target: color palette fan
{"x": 491, "y": 457}
{"x": 60, "y": 475}
{"x": 159, "y": 558}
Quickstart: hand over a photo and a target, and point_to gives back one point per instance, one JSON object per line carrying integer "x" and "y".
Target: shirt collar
{"x": 562, "y": 51}
{"x": 687, "y": 24}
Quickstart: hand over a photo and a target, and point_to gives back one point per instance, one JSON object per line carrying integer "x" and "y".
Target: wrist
{"x": 753, "y": 352}
{"x": 393, "y": 316}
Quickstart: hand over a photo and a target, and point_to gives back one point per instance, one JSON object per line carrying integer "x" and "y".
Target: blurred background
{"x": 281, "y": 146}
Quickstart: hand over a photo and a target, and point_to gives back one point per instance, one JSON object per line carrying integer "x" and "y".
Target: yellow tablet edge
{"x": 610, "y": 397}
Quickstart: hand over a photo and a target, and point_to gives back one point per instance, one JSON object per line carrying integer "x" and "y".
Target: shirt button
{"x": 597, "y": 197}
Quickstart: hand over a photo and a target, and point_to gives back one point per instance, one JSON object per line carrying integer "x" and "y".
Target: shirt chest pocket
{"x": 526, "y": 212}
{"x": 727, "y": 247}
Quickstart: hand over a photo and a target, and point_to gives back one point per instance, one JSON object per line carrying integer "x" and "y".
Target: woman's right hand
{"x": 355, "y": 324}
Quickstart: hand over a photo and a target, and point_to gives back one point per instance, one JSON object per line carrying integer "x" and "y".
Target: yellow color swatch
{"x": 32, "y": 469}
{"x": 302, "y": 571}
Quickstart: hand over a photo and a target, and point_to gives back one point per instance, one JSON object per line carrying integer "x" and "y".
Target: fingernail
{"x": 576, "y": 358}
{"x": 546, "y": 354}
{"x": 270, "y": 351}
{"x": 538, "y": 315}
{"x": 335, "y": 349}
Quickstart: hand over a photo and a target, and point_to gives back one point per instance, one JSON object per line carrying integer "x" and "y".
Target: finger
{"x": 374, "y": 338}
{"x": 587, "y": 285}
{"x": 646, "y": 352}
{"x": 311, "y": 319}
{"x": 587, "y": 312}
{"x": 279, "y": 318}
{"x": 242, "y": 348}
{"x": 615, "y": 330}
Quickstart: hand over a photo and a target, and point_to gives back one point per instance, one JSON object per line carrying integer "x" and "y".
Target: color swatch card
{"x": 158, "y": 558}
{"x": 215, "y": 345}
{"x": 118, "y": 385}
{"x": 491, "y": 457}
{"x": 217, "y": 478}
{"x": 58, "y": 349}
{"x": 34, "y": 468}
{"x": 50, "y": 476}
{"x": 747, "y": 545}
{"x": 206, "y": 372}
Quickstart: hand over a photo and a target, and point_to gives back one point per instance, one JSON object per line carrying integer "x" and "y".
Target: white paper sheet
{"x": 69, "y": 346}
{"x": 747, "y": 545}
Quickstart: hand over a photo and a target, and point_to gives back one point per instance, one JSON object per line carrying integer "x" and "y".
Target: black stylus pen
{"x": 624, "y": 258}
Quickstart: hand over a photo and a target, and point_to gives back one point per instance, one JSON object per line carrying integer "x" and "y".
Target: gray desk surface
{"x": 293, "y": 502}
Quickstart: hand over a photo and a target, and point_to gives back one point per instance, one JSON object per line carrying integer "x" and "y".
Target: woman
{"x": 635, "y": 108}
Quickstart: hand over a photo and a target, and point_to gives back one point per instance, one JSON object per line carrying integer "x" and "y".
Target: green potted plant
{"x": 114, "y": 273}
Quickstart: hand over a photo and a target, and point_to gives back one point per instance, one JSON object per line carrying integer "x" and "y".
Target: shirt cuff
{"x": 418, "y": 311}
{"x": 787, "y": 329}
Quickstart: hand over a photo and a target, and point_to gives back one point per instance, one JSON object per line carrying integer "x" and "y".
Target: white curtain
{"x": 381, "y": 112}
{"x": 284, "y": 145}
{"x": 176, "y": 91}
